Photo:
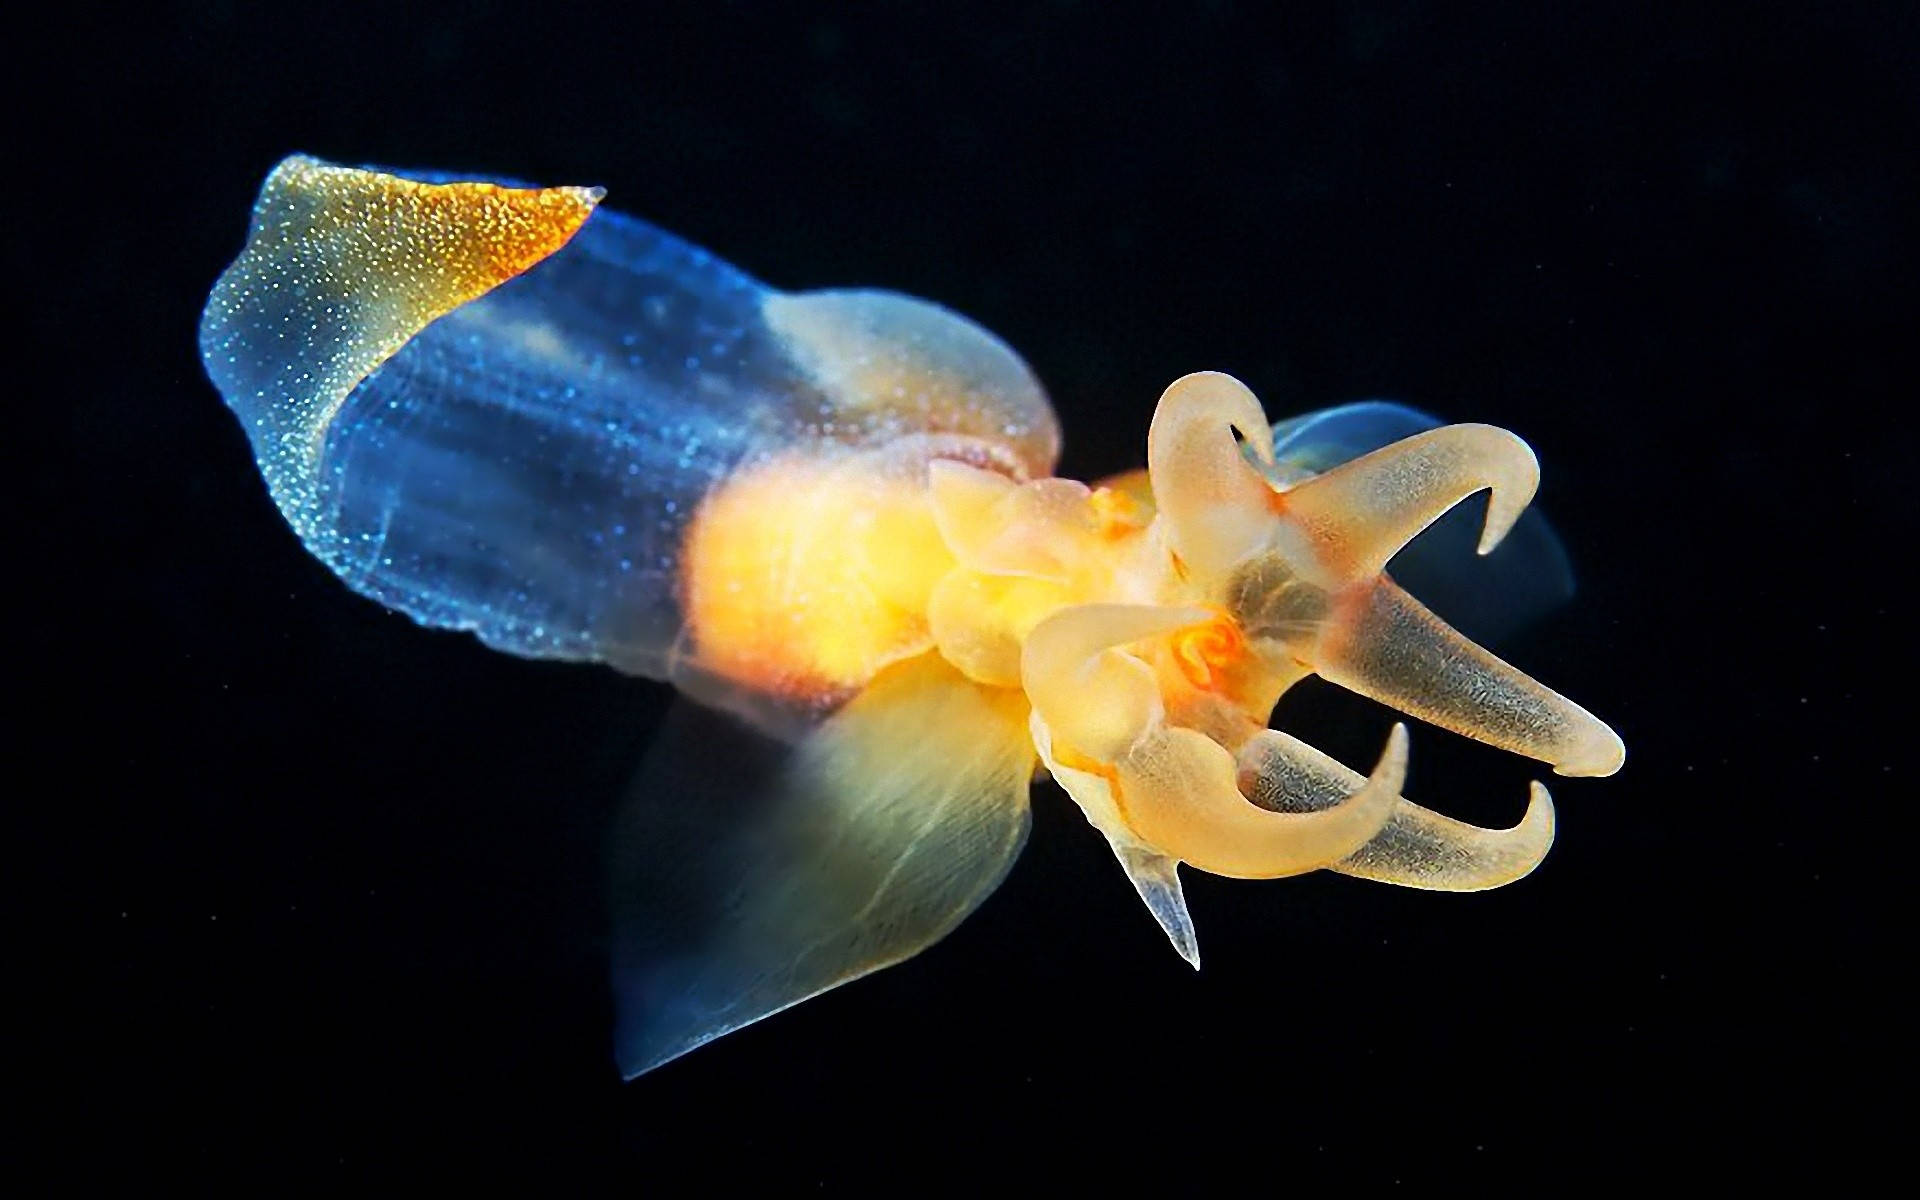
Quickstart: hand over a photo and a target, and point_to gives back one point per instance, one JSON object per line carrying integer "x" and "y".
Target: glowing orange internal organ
{"x": 804, "y": 577}
{"x": 1207, "y": 652}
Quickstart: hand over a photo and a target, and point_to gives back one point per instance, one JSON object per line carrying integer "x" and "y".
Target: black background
{"x": 311, "y": 891}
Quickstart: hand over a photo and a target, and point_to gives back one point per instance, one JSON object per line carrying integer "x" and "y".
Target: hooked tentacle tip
{"x": 1511, "y": 490}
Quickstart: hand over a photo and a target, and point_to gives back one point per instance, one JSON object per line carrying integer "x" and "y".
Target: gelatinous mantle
{"x": 500, "y": 410}
{"x": 485, "y": 410}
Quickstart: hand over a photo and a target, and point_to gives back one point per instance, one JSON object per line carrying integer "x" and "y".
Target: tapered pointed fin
{"x": 1157, "y": 878}
{"x": 750, "y": 875}
{"x": 1489, "y": 598}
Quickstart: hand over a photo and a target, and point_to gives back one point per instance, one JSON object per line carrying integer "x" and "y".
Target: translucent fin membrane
{"x": 341, "y": 268}
{"x": 752, "y": 875}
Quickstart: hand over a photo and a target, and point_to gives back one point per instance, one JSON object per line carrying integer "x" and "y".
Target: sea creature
{"x": 833, "y": 514}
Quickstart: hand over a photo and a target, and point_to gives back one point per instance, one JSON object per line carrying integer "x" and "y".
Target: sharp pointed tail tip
{"x": 1185, "y": 945}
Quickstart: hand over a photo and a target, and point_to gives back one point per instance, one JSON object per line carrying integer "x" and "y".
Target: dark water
{"x": 311, "y": 891}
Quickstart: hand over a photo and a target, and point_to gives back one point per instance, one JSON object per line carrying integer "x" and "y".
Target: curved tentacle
{"x": 1097, "y": 701}
{"x": 1173, "y": 789}
{"x": 1179, "y": 793}
{"x": 1487, "y": 599}
{"x": 1358, "y": 515}
{"x": 1218, "y": 506}
{"x": 1387, "y": 646}
{"x": 1417, "y": 847}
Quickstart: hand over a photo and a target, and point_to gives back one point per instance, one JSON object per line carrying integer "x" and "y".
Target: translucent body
{"x": 497, "y": 409}
{"x": 520, "y": 455}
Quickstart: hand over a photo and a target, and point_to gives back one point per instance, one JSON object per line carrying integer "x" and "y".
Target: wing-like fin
{"x": 752, "y": 875}
{"x": 1316, "y": 442}
{"x": 1488, "y": 599}
{"x": 341, "y": 268}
